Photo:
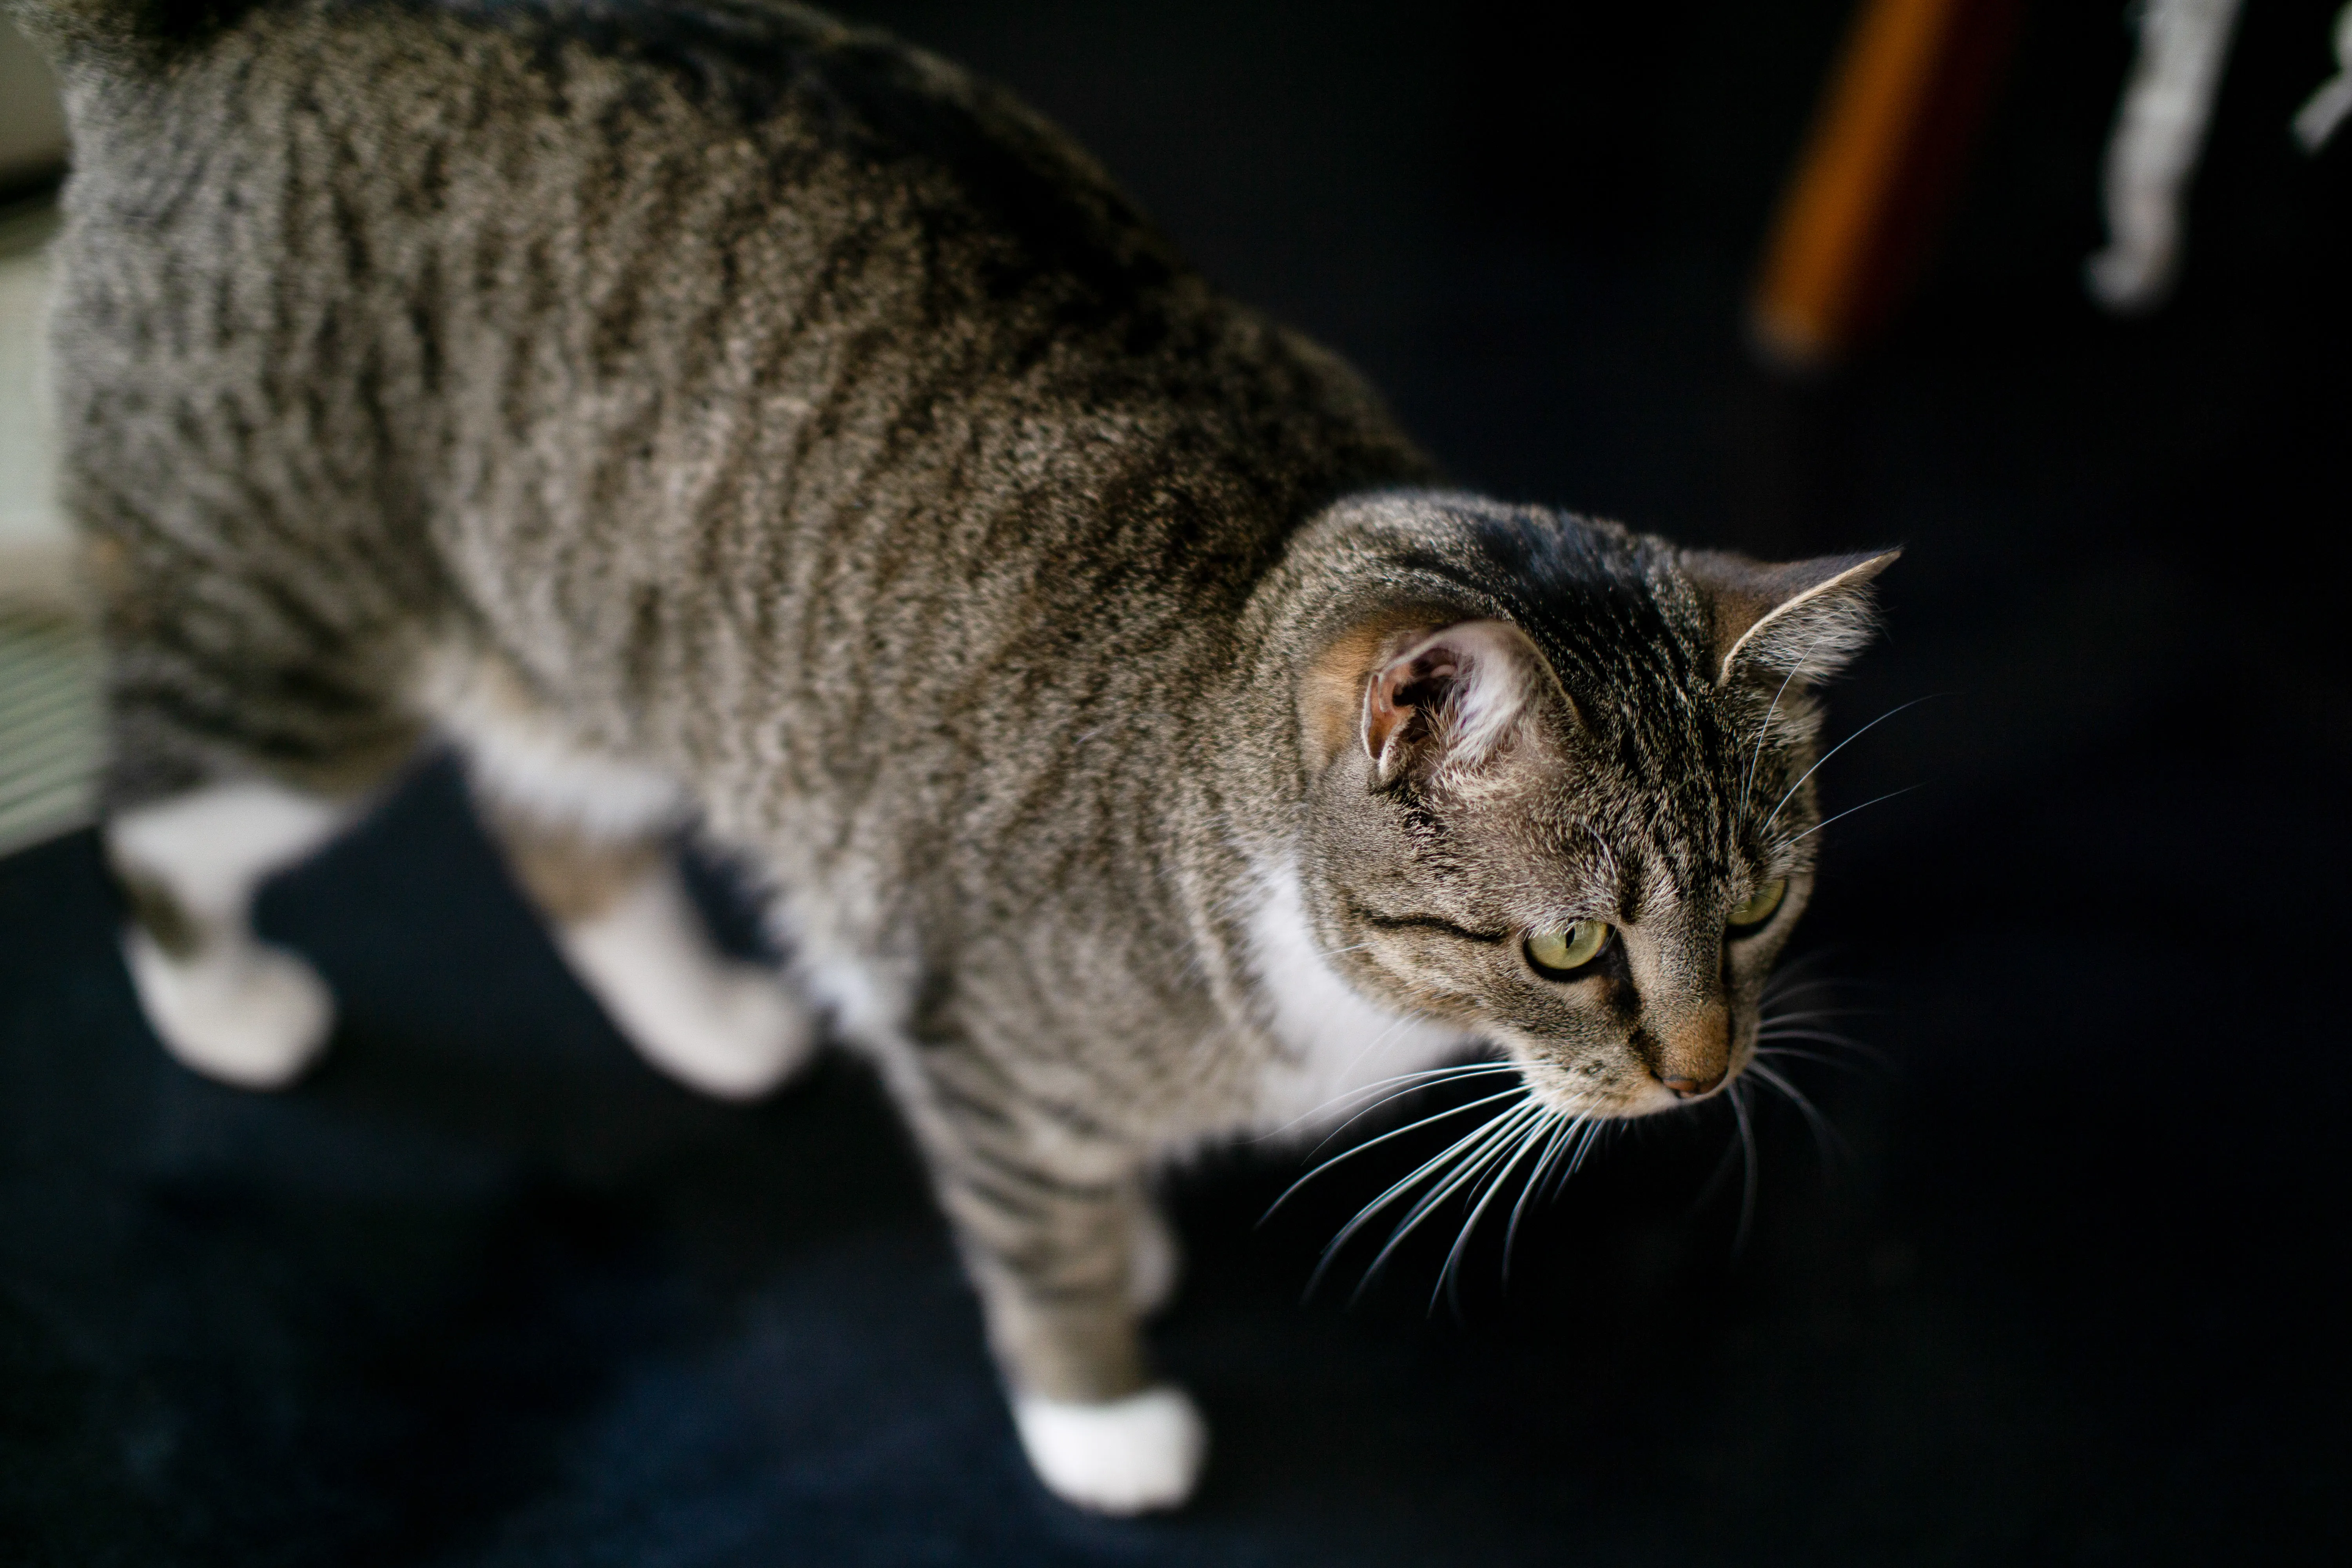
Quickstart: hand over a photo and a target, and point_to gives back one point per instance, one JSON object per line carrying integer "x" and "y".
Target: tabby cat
{"x": 699, "y": 412}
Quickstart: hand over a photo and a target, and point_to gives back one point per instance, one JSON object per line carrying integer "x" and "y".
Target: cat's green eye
{"x": 1556, "y": 952}
{"x": 1761, "y": 904}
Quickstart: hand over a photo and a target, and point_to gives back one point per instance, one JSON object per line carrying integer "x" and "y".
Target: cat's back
{"x": 564, "y": 197}
{"x": 617, "y": 302}
{"x": 773, "y": 404}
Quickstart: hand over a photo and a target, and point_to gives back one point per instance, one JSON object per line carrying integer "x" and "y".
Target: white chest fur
{"x": 1340, "y": 1044}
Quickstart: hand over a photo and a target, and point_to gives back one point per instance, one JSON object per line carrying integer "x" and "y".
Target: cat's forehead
{"x": 1648, "y": 845}
{"x": 1639, "y": 800}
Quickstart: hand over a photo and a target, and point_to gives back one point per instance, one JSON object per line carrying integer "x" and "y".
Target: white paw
{"x": 242, "y": 1012}
{"x": 1155, "y": 1262}
{"x": 1128, "y": 1456}
{"x": 727, "y": 1028}
{"x": 736, "y": 1038}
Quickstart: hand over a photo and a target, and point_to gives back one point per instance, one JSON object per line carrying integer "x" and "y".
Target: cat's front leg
{"x": 1068, "y": 1257}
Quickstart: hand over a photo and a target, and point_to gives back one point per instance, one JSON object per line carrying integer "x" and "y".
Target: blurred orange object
{"x": 1877, "y": 172}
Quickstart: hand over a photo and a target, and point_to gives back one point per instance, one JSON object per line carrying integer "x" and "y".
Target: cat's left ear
{"x": 1803, "y": 620}
{"x": 1449, "y": 695}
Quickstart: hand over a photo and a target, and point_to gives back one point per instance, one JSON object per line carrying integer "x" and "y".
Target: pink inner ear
{"x": 1418, "y": 679}
{"x": 1382, "y": 715}
{"x": 1468, "y": 672}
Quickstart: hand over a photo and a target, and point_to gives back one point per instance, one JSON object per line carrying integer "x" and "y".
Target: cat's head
{"x": 1561, "y": 789}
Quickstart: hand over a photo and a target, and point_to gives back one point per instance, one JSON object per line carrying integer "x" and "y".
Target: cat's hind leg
{"x": 587, "y": 833}
{"x": 249, "y": 720}
{"x": 223, "y": 1002}
{"x": 232, "y": 761}
{"x": 620, "y": 914}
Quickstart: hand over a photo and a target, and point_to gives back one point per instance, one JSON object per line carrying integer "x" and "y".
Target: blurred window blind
{"x": 50, "y": 723}
{"x": 32, "y": 128}
{"x": 49, "y": 733}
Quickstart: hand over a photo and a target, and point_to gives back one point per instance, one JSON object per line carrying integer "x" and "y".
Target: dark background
{"x": 485, "y": 1291}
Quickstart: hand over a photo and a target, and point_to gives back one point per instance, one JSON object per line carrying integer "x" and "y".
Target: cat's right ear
{"x": 1450, "y": 695}
{"x": 1799, "y": 620}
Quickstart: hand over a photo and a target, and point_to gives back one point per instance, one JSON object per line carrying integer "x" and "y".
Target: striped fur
{"x": 712, "y": 398}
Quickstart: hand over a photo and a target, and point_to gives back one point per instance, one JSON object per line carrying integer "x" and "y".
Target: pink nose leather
{"x": 1688, "y": 1087}
{"x": 1698, "y": 1053}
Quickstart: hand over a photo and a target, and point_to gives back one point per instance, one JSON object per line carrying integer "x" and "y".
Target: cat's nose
{"x": 1686, "y": 1087}
{"x": 1696, "y": 1052}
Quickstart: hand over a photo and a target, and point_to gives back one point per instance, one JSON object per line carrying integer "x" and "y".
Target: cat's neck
{"x": 1336, "y": 1046}
{"x": 1240, "y": 833}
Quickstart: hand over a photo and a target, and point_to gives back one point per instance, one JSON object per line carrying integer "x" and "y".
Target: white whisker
{"x": 1823, "y": 1036}
{"x": 1555, "y": 1138}
{"x": 1472, "y": 1163}
{"x": 1748, "y": 1174}
{"x": 1778, "y": 1030}
{"x": 1810, "y": 1015}
{"x": 1776, "y": 996}
{"x": 1408, "y": 1090}
{"x": 1840, "y": 746}
{"x": 1825, "y": 1137}
{"x": 1401, "y": 1020}
{"x": 1756, "y": 753}
{"x": 1796, "y": 1055}
{"x": 1414, "y": 1082}
{"x": 1578, "y": 1147}
{"x": 1397, "y": 1189}
{"x": 1850, "y": 810}
{"x": 1376, "y": 1143}
{"x": 1449, "y": 1272}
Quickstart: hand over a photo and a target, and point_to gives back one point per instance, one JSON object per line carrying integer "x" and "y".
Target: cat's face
{"x": 1594, "y": 866}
